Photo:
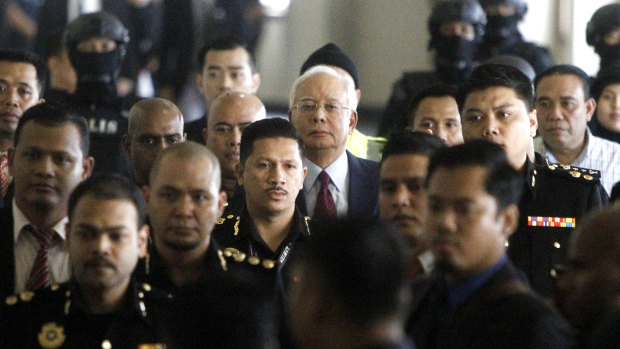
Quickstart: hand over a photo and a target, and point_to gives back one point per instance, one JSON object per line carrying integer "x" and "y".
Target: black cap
{"x": 331, "y": 54}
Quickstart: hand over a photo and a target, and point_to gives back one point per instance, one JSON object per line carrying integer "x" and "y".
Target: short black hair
{"x": 416, "y": 143}
{"x": 503, "y": 182}
{"x": 19, "y": 56}
{"x": 109, "y": 186}
{"x": 437, "y": 90}
{"x": 225, "y": 43}
{"x": 54, "y": 115}
{"x": 267, "y": 128}
{"x": 498, "y": 75}
{"x": 363, "y": 263}
{"x": 567, "y": 69}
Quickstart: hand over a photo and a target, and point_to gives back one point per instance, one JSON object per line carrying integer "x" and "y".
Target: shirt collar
{"x": 462, "y": 291}
{"x": 337, "y": 171}
{"x": 20, "y": 220}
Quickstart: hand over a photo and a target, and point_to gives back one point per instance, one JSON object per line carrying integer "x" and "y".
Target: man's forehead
{"x": 566, "y": 84}
{"x": 23, "y": 72}
{"x": 36, "y": 134}
{"x": 494, "y": 95}
{"x": 235, "y": 58}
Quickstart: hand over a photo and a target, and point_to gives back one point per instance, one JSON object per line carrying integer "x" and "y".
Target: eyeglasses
{"x": 308, "y": 107}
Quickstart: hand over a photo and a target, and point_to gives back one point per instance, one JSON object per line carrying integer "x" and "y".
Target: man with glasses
{"x": 323, "y": 110}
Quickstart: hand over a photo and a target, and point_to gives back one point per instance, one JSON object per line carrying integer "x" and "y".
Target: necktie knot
{"x": 44, "y": 237}
{"x": 325, "y": 206}
{"x": 324, "y": 178}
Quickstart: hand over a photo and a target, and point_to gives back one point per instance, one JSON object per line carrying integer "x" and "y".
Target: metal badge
{"x": 26, "y": 296}
{"x": 11, "y": 300}
{"x": 253, "y": 260}
{"x": 51, "y": 336}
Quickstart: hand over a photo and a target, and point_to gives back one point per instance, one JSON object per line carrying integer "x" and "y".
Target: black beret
{"x": 331, "y": 54}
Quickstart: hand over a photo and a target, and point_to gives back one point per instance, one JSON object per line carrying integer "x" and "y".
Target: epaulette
{"x": 230, "y": 218}
{"x": 26, "y": 296}
{"x": 240, "y": 257}
{"x": 583, "y": 174}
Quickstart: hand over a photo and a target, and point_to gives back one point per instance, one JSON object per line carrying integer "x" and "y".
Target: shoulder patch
{"x": 11, "y": 300}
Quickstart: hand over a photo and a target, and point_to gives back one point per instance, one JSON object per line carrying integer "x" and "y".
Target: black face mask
{"x": 455, "y": 50}
{"x": 453, "y": 58}
{"x": 500, "y": 28}
{"x": 97, "y": 67}
{"x": 609, "y": 54}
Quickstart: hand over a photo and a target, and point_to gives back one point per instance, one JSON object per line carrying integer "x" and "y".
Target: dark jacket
{"x": 502, "y": 313}
{"x": 58, "y": 316}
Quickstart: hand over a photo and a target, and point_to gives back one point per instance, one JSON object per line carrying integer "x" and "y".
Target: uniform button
{"x": 556, "y": 244}
{"x": 106, "y": 344}
{"x": 553, "y": 273}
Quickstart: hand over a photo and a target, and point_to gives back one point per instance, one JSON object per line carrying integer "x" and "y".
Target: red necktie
{"x": 325, "y": 207}
{"x": 4, "y": 160}
{"x": 40, "y": 273}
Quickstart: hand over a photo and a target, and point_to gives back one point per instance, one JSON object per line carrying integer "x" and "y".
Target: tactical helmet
{"x": 603, "y": 20}
{"x": 520, "y": 6}
{"x": 98, "y": 24}
{"x": 457, "y": 10}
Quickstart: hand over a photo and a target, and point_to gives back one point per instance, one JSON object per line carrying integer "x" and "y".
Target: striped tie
{"x": 40, "y": 274}
{"x": 3, "y": 177}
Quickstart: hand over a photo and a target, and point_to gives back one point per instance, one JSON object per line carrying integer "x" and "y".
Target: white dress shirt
{"x": 338, "y": 171}
{"x": 27, "y": 246}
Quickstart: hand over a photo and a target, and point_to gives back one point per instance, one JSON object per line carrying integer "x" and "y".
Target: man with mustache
{"x": 229, "y": 114}
{"x": 322, "y": 107}
{"x": 564, "y": 107}
{"x": 402, "y": 195}
{"x": 497, "y": 104}
{"x": 477, "y": 299}
{"x": 22, "y": 79}
{"x": 48, "y": 160}
{"x": 102, "y": 306}
{"x": 270, "y": 227}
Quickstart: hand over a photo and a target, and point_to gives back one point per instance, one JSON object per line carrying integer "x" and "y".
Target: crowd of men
{"x": 487, "y": 222}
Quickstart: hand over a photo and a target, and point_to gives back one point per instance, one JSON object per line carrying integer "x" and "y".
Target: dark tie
{"x": 3, "y": 177}
{"x": 325, "y": 207}
{"x": 40, "y": 273}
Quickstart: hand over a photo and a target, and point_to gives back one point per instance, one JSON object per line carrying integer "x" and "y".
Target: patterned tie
{"x": 3, "y": 177}
{"x": 40, "y": 273}
{"x": 325, "y": 207}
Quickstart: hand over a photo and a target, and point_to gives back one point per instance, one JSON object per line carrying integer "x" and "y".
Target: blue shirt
{"x": 459, "y": 293}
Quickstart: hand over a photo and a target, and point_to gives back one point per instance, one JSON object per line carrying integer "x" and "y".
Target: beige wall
{"x": 387, "y": 37}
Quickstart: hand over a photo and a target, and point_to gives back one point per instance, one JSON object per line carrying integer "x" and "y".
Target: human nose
{"x": 615, "y": 102}
{"x": 235, "y": 137}
{"x": 491, "y": 128}
{"x": 319, "y": 114}
{"x": 103, "y": 244}
{"x": 441, "y": 133}
{"x": 277, "y": 175}
{"x": 401, "y": 197}
{"x": 10, "y": 97}
{"x": 226, "y": 84}
{"x": 45, "y": 166}
{"x": 184, "y": 206}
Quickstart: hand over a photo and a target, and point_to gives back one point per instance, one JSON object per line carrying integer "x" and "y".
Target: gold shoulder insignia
{"x": 253, "y": 260}
{"x": 146, "y": 287}
{"x": 51, "y": 336}
{"x": 55, "y": 287}
{"x": 26, "y": 296}
{"x": 575, "y": 172}
{"x": 11, "y": 300}
{"x": 220, "y": 220}
{"x": 220, "y": 256}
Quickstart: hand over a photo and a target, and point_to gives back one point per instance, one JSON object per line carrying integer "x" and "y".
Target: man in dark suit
{"x": 477, "y": 299}
{"x": 323, "y": 106}
{"x": 48, "y": 160}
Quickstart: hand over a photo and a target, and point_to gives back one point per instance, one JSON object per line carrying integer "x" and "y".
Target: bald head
{"x": 154, "y": 124}
{"x": 189, "y": 152}
{"x": 229, "y": 114}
